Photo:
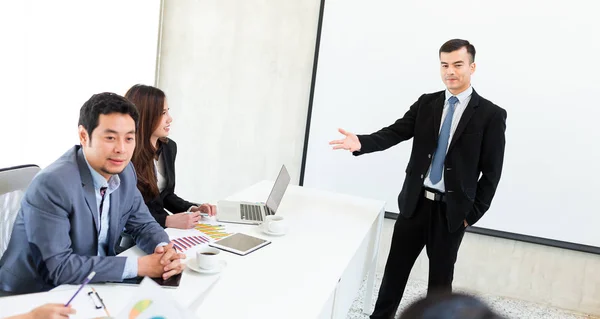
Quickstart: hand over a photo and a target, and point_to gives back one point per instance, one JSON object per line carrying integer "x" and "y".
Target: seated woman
{"x": 154, "y": 161}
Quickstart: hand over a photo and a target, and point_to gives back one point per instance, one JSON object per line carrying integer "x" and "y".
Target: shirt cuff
{"x": 190, "y": 209}
{"x": 162, "y": 244}
{"x": 131, "y": 268}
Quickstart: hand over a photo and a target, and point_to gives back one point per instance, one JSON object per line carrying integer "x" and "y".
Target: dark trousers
{"x": 428, "y": 228}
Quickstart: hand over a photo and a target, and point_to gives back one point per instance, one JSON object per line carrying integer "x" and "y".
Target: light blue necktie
{"x": 440, "y": 152}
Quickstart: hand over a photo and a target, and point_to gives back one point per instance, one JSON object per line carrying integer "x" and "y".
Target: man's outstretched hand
{"x": 350, "y": 143}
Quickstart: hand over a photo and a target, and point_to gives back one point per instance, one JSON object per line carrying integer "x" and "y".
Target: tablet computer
{"x": 172, "y": 282}
{"x": 240, "y": 244}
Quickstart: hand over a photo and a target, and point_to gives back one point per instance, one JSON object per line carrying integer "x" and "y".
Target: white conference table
{"x": 314, "y": 271}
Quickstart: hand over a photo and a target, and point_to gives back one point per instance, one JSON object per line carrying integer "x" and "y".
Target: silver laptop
{"x": 251, "y": 212}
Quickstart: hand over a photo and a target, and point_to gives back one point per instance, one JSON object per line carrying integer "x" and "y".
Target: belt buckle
{"x": 429, "y": 195}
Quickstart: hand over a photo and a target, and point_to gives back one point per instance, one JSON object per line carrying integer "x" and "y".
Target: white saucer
{"x": 271, "y": 233}
{"x": 194, "y": 266}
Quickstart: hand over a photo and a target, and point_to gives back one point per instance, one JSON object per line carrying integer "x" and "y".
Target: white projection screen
{"x": 55, "y": 55}
{"x": 539, "y": 60}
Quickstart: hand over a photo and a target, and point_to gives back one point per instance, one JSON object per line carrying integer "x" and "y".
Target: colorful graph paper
{"x": 185, "y": 243}
{"x": 215, "y": 232}
{"x": 139, "y": 307}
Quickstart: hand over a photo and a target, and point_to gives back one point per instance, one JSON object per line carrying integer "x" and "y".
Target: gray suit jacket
{"x": 55, "y": 236}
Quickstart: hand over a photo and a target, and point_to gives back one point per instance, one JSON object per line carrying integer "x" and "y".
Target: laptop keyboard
{"x": 250, "y": 212}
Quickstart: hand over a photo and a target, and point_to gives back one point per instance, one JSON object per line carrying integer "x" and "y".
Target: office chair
{"x": 13, "y": 183}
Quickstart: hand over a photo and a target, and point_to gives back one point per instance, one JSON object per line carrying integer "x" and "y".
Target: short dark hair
{"x": 449, "y": 305}
{"x": 457, "y": 44}
{"x": 105, "y": 103}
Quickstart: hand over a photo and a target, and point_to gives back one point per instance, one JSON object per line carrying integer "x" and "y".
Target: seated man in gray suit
{"x": 75, "y": 209}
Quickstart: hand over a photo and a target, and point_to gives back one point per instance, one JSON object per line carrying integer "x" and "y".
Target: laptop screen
{"x": 281, "y": 184}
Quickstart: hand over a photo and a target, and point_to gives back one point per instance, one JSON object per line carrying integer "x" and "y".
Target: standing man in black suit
{"x": 454, "y": 169}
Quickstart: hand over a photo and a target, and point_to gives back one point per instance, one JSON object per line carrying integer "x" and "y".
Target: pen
{"x": 89, "y": 277}
{"x": 211, "y": 225}
{"x": 101, "y": 302}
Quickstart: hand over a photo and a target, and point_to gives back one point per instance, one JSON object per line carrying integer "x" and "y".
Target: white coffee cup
{"x": 207, "y": 257}
{"x": 275, "y": 224}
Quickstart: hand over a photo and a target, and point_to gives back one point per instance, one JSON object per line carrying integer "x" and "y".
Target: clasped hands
{"x": 165, "y": 262}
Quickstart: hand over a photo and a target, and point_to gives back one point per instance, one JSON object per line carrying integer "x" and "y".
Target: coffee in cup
{"x": 207, "y": 257}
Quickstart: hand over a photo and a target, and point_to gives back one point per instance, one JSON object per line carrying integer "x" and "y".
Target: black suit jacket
{"x": 167, "y": 198}
{"x": 473, "y": 164}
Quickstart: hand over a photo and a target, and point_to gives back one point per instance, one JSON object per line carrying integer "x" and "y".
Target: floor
{"x": 510, "y": 308}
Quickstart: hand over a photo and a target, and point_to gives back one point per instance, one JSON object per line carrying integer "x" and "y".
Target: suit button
{"x": 421, "y": 176}
{"x": 449, "y": 168}
{"x": 428, "y": 155}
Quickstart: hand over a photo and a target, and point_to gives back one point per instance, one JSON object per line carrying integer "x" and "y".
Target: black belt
{"x": 435, "y": 196}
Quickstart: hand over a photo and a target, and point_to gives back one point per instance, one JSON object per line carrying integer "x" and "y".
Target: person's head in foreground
{"x": 449, "y": 306}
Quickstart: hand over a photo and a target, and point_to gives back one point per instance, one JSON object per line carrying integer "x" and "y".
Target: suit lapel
{"x": 438, "y": 108}
{"x": 465, "y": 118}
{"x": 88, "y": 186}
{"x": 168, "y": 161}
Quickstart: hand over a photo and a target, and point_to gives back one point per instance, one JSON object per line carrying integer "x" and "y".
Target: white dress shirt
{"x": 159, "y": 167}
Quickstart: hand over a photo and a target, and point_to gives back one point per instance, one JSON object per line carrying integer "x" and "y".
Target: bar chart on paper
{"x": 188, "y": 242}
{"x": 214, "y": 231}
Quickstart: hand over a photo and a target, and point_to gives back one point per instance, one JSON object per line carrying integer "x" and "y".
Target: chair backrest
{"x": 13, "y": 183}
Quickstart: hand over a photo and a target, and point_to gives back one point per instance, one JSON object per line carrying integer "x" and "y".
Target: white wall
{"x": 237, "y": 78}
{"x": 55, "y": 55}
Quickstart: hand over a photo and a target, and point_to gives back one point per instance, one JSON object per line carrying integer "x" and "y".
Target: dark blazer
{"x": 167, "y": 198}
{"x": 477, "y": 146}
{"x": 55, "y": 237}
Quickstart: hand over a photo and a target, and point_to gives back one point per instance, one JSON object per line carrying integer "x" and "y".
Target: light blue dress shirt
{"x": 131, "y": 265}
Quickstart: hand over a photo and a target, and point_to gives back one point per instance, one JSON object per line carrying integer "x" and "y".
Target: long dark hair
{"x": 149, "y": 102}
